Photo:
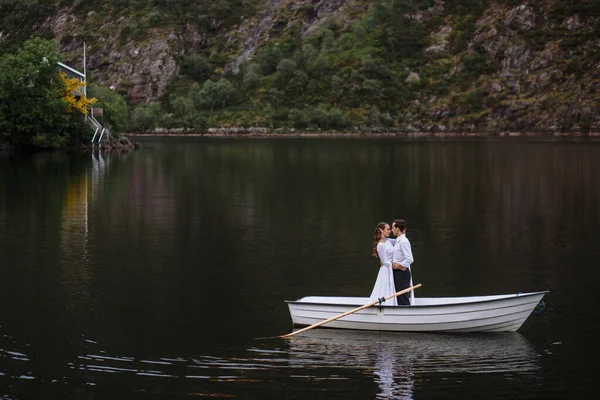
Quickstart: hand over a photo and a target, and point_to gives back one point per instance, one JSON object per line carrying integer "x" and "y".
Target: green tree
{"x": 196, "y": 66}
{"x": 116, "y": 115}
{"x": 327, "y": 41}
{"x": 144, "y": 118}
{"x": 225, "y": 92}
{"x": 337, "y": 119}
{"x": 299, "y": 82}
{"x": 252, "y": 76}
{"x": 299, "y": 118}
{"x": 181, "y": 106}
{"x": 309, "y": 53}
{"x": 401, "y": 35}
{"x": 268, "y": 59}
{"x": 32, "y": 111}
{"x": 213, "y": 93}
{"x": 337, "y": 87}
{"x": 320, "y": 65}
{"x": 274, "y": 97}
{"x": 374, "y": 87}
{"x": 286, "y": 68}
{"x": 18, "y": 16}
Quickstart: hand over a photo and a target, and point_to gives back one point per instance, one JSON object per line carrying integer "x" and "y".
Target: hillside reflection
{"x": 154, "y": 272}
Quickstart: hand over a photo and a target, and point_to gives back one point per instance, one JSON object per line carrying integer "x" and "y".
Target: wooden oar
{"x": 349, "y": 312}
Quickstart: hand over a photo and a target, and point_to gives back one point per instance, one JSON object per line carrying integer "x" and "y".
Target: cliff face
{"x": 547, "y": 75}
{"x": 275, "y": 16}
{"x": 142, "y": 69}
{"x": 513, "y": 65}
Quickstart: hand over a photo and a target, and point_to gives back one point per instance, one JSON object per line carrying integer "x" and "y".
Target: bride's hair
{"x": 377, "y": 236}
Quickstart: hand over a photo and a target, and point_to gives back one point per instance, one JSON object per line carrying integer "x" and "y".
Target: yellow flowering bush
{"x": 79, "y": 103}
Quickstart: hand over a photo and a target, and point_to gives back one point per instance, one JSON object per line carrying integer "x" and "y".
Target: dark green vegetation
{"x": 32, "y": 110}
{"x": 476, "y": 65}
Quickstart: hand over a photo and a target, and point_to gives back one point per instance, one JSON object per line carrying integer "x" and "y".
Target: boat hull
{"x": 459, "y": 314}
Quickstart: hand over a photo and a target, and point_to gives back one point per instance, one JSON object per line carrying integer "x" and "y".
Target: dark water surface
{"x": 150, "y": 275}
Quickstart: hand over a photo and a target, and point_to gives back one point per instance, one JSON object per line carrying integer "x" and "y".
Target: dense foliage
{"x": 373, "y": 68}
{"x": 18, "y": 17}
{"x": 365, "y": 74}
{"x": 36, "y": 105}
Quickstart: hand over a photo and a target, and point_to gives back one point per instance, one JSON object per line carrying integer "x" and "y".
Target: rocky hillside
{"x": 432, "y": 65}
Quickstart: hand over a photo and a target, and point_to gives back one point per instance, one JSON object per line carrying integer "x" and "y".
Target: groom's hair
{"x": 400, "y": 223}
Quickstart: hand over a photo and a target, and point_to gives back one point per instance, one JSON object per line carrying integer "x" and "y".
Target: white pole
{"x": 84, "y": 73}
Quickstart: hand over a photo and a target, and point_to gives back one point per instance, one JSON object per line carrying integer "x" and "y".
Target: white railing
{"x": 98, "y": 128}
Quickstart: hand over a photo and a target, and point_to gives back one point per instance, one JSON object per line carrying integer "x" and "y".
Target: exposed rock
{"x": 256, "y": 32}
{"x": 119, "y": 143}
{"x": 194, "y": 41}
{"x": 252, "y": 130}
{"x": 536, "y": 83}
{"x": 143, "y": 69}
{"x": 487, "y": 35}
{"x": 439, "y": 40}
{"x": 427, "y": 14}
{"x": 322, "y": 12}
{"x": 516, "y": 57}
{"x": 60, "y": 22}
{"x": 520, "y": 18}
{"x": 545, "y": 58}
{"x": 413, "y": 77}
{"x": 573, "y": 22}
{"x": 494, "y": 87}
{"x": 490, "y": 40}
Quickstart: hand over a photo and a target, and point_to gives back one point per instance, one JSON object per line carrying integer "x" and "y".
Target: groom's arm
{"x": 397, "y": 258}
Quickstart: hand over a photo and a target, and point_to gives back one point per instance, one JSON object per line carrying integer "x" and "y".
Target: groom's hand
{"x": 398, "y": 266}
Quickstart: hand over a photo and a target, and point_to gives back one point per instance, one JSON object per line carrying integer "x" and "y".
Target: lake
{"x": 154, "y": 274}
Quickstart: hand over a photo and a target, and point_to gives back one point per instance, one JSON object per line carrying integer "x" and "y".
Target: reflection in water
{"x": 499, "y": 202}
{"x": 393, "y": 382}
{"x": 396, "y": 359}
{"x": 108, "y": 276}
{"x": 15, "y": 363}
{"x": 82, "y": 188}
{"x": 75, "y": 217}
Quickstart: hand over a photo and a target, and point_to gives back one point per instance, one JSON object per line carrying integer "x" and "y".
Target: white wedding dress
{"x": 384, "y": 285}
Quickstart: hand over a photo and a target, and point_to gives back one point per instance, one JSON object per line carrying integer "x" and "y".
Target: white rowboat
{"x": 499, "y": 313}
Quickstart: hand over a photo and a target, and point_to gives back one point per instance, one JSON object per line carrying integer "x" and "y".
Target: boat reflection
{"x": 320, "y": 359}
{"x": 396, "y": 358}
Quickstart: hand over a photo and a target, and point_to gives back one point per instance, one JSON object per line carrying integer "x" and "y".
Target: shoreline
{"x": 113, "y": 144}
{"x": 363, "y": 135}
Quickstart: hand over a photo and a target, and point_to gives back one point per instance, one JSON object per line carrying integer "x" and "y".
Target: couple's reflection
{"x": 397, "y": 359}
{"x": 393, "y": 374}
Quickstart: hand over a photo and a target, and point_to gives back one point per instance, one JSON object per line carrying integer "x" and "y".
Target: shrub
{"x": 196, "y": 66}
{"x": 116, "y": 115}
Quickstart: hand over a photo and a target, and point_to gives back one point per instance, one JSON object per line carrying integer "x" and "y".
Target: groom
{"x": 401, "y": 260}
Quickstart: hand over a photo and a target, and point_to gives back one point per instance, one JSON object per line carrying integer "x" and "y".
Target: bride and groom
{"x": 395, "y": 257}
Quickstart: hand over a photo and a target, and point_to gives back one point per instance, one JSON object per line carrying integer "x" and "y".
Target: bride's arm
{"x": 381, "y": 252}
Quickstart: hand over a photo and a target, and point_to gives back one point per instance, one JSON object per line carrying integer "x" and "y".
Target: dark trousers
{"x": 402, "y": 281}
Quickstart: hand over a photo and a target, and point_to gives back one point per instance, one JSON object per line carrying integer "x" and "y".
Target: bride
{"x": 383, "y": 248}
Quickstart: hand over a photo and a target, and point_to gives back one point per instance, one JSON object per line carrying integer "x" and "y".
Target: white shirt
{"x": 403, "y": 256}
{"x": 402, "y": 252}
